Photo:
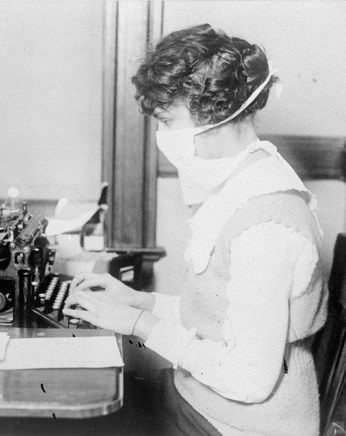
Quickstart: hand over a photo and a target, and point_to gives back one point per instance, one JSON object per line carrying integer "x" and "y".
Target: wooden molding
{"x": 129, "y": 127}
{"x": 110, "y": 18}
{"x": 313, "y": 157}
{"x": 152, "y": 253}
{"x": 154, "y": 33}
{"x": 129, "y": 154}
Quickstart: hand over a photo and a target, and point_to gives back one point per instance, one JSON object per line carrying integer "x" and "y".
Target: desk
{"x": 60, "y": 393}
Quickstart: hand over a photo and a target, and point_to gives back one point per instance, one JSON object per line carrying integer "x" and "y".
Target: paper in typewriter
{"x": 66, "y": 352}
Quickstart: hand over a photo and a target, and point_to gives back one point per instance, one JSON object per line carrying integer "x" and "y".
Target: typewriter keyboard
{"x": 53, "y": 294}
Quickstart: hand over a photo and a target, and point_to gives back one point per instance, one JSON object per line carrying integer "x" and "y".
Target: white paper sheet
{"x": 67, "y": 352}
{"x": 58, "y": 226}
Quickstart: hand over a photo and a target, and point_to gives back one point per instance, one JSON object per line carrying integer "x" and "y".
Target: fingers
{"x": 90, "y": 282}
{"x": 81, "y": 314}
{"x": 84, "y": 299}
{"x": 87, "y": 280}
{"x": 79, "y": 279}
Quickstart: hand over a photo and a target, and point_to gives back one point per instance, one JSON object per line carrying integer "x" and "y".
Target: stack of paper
{"x": 67, "y": 352}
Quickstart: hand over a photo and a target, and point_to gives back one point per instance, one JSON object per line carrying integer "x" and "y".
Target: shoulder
{"x": 275, "y": 250}
{"x": 270, "y": 237}
{"x": 273, "y": 202}
{"x": 287, "y": 208}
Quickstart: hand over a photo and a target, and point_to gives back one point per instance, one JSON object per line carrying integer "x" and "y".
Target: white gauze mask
{"x": 199, "y": 177}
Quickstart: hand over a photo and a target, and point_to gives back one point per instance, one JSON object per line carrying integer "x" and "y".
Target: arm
{"x": 163, "y": 306}
{"x": 246, "y": 366}
{"x": 166, "y": 307}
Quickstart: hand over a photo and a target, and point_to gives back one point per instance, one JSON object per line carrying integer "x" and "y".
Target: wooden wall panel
{"x": 109, "y": 96}
{"x": 155, "y": 19}
{"x": 311, "y": 156}
{"x": 129, "y": 126}
{"x": 129, "y": 151}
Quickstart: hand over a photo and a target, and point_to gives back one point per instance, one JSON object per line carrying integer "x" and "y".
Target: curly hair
{"x": 211, "y": 73}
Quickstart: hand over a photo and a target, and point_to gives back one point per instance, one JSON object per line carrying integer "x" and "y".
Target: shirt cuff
{"x": 169, "y": 340}
{"x": 167, "y": 307}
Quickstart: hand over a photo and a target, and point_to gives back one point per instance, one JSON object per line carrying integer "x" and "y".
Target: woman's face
{"x": 178, "y": 117}
{"x": 175, "y": 117}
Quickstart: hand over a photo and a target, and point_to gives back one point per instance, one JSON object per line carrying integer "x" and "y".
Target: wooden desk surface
{"x": 60, "y": 393}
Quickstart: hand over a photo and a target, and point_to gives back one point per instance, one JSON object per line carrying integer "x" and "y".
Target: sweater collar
{"x": 266, "y": 176}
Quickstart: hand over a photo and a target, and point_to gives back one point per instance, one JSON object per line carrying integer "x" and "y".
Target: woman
{"x": 239, "y": 336}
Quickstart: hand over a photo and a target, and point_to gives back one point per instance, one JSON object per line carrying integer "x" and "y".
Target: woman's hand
{"x": 102, "y": 310}
{"x": 114, "y": 289}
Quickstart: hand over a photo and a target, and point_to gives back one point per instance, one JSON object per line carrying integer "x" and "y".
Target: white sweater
{"x": 262, "y": 258}
{"x": 272, "y": 264}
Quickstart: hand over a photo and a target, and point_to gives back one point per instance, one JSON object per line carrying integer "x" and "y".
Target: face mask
{"x": 178, "y": 147}
{"x": 193, "y": 193}
{"x": 200, "y": 177}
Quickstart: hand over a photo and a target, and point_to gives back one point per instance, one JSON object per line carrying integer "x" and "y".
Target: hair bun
{"x": 255, "y": 64}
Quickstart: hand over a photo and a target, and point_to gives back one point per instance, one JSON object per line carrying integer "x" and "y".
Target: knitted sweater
{"x": 264, "y": 193}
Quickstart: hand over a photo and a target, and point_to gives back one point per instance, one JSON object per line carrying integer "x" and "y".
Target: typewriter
{"x": 54, "y": 290}
{"x": 32, "y": 294}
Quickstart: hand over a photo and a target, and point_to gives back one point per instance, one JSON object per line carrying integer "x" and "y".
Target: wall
{"x": 51, "y": 97}
{"x": 304, "y": 41}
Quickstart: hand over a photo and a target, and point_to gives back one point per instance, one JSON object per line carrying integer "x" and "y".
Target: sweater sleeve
{"x": 246, "y": 365}
{"x": 167, "y": 307}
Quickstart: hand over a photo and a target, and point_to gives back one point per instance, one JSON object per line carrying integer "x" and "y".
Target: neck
{"x": 226, "y": 140}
